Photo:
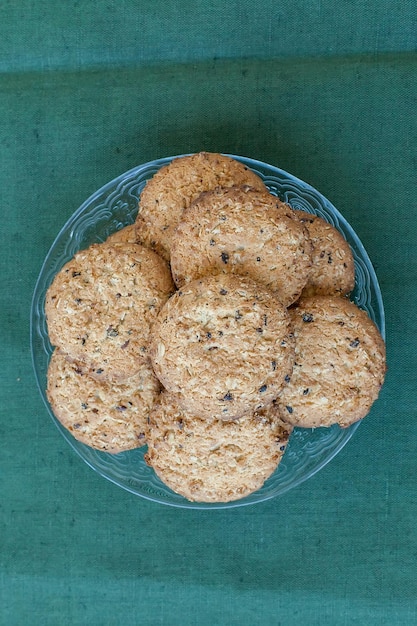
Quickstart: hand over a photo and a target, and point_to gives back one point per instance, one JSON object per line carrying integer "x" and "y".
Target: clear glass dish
{"x": 114, "y": 206}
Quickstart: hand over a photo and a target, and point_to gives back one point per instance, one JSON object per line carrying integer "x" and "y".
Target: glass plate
{"x": 114, "y": 206}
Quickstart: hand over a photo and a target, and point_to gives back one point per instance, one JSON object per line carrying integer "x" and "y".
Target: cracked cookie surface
{"x": 244, "y": 231}
{"x": 339, "y": 365}
{"x": 333, "y": 270}
{"x": 101, "y": 304}
{"x": 214, "y": 460}
{"x": 112, "y": 417}
{"x": 176, "y": 185}
{"x": 224, "y": 345}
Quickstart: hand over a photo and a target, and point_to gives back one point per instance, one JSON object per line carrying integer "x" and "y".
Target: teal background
{"x": 327, "y": 92}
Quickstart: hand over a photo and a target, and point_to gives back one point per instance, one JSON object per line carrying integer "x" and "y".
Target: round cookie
{"x": 111, "y": 417}
{"x": 333, "y": 269}
{"x": 214, "y": 460}
{"x": 244, "y": 231}
{"x": 101, "y": 304}
{"x": 224, "y": 345}
{"x": 176, "y": 185}
{"x": 339, "y": 364}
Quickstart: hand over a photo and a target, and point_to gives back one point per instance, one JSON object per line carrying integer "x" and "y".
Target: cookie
{"x": 333, "y": 269}
{"x": 127, "y": 234}
{"x": 110, "y": 417}
{"x": 244, "y": 231}
{"x": 339, "y": 364}
{"x": 224, "y": 345}
{"x": 214, "y": 460}
{"x": 176, "y": 185}
{"x": 101, "y": 304}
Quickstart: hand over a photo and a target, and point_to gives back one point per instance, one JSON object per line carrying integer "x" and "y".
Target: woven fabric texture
{"x": 327, "y": 92}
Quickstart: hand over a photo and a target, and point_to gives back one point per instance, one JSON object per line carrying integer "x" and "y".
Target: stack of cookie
{"x": 209, "y": 329}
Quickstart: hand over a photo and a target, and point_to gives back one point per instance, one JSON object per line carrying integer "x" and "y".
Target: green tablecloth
{"x": 325, "y": 91}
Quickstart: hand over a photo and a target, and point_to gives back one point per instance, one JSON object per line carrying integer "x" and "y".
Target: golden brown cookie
{"x": 243, "y": 231}
{"x": 333, "y": 270}
{"x": 107, "y": 416}
{"x": 101, "y": 304}
{"x": 213, "y": 460}
{"x": 224, "y": 345}
{"x": 339, "y": 364}
{"x": 176, "y": 185}
{"x": 127, "y": 234}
